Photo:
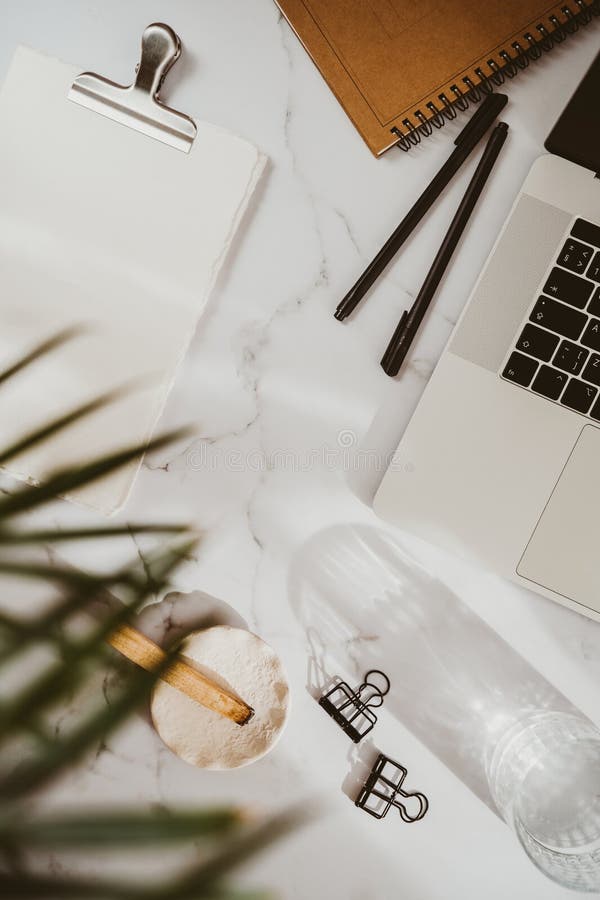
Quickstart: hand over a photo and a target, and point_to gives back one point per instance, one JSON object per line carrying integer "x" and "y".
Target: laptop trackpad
{"x": 562, "y": 554}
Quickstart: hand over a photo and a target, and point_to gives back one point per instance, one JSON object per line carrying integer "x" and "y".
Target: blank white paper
{"x": 103, "y": 227}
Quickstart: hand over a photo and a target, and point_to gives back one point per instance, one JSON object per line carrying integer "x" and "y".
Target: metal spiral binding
{"x": 529, "y": 49}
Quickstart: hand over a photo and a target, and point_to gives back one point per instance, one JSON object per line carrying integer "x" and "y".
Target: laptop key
{"x": 579, "y": 395}
{"x": 592, "y": 370}
{"x": 594, "y": 269}
{"x": 538, "y": 342}
{"x": 520, "y": 369}
{"x": 595, "y": 410}
{"x": 594, "y": 307}
{"x": 570, "y": 357}
{"x": 558, "y": 317}
{"x": 586, "y": 231}
{"x": 549, "y": 382}
{"x": 575, "y": 256}
{"x": 591, "y": 335}
{"x": 568, "y": 287}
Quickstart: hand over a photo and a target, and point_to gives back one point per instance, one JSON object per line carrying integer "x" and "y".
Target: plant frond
{"x": 69, "y": 479}
{"x": 225, "y": 840}
{"x": 119, "y": 829}
{"x": 39, "y": 435}
{"x": 53, "y": 536}
{"x": 34, "y": 774}
{"x": 53, "y": 683}
{"x": 212, "y": 871}
{"x": 27, "y": 886}
{"x": 41, "y": 349}
{"x": 65, "y": 576}
{"x": 83, "y": 591}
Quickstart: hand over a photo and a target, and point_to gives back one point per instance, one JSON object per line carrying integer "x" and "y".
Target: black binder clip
{"x": 353, "y": 710}
{"x": 383, "y": 789}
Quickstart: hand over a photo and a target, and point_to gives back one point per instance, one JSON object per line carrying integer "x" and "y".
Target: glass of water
{"x": 545, "y": 778}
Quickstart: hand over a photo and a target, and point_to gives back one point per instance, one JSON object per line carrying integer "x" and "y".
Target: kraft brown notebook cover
{"x": 399, "y": 67}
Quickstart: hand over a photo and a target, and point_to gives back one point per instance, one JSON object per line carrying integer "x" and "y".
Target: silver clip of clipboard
{"x": 138, "y": 105}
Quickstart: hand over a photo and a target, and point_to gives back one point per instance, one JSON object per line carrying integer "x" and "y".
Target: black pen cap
{"x": 479, "y": 123}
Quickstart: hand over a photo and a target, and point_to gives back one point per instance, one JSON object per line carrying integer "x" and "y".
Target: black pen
{"x": 410, "y": 321}
{"x": 465, "y": 142}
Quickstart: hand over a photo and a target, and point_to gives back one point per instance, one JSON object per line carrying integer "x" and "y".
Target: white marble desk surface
{"x": 275, "y": 382}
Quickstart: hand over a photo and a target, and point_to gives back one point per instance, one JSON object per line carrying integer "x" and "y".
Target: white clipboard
{"x": 115, "y": 214}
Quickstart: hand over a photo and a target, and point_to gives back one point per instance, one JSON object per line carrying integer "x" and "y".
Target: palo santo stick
{"x": 145, "y": 653}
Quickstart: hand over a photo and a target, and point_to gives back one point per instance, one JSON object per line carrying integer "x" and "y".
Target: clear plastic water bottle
{"x": 512, "y": 738}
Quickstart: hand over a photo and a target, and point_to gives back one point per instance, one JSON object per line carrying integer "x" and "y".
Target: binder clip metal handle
{"x": 161, "y": 48}
{"x": 138, "y": 105}
{"x": 405, "y": 815}
{"x": 383, "y": 789}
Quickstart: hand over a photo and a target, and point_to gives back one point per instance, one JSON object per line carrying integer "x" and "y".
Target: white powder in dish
{"x": 243, "y": 663}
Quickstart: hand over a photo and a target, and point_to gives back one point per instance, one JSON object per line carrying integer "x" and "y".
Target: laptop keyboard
{"x": 557, "y": 353}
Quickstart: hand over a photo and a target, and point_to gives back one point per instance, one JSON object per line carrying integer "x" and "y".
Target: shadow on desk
{"x": 366, "y": 603}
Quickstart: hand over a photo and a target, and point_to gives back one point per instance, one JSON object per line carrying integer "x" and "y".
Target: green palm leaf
{"x": 39, "y": 435}
{"x": 120, "y": 829}
{"x": 41, "y": 349}
{"x": 52, "y": 536}
{"x": 67, "y": 480}
{"x": 210, "y": 873}
{"x": 54, "y": 682}
{"x": 223, "y": 838}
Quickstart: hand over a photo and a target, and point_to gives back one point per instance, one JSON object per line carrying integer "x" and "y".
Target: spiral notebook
{"x": 402, "y": 68}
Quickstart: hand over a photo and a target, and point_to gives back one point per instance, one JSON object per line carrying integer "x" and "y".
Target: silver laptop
{"x": 501, "y": 460}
